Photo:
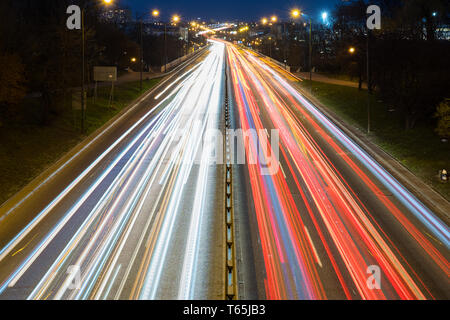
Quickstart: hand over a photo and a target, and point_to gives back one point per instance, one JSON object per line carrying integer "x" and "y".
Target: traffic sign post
{"x": 105, "y": 74}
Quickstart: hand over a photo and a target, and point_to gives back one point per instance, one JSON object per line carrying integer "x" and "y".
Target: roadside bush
{"x": 443, "y": 116}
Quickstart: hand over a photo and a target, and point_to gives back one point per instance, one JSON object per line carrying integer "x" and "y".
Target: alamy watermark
{"x": 374, "y": 20}
{"x": 74, "y": 19}
{"x": 73, "y": 281}
{"x": 374, "y": 280}
{"x": 238, "y": 147}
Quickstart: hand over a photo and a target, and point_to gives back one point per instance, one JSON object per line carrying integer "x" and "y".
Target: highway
{"x": 133, "y": 215}
{"x": 326, "y": 217}
{"x": 137, "y": 212}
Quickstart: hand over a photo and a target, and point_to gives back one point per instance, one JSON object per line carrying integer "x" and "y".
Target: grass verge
{"x": 420, "y": 149}
{"x": 26, "y": 150}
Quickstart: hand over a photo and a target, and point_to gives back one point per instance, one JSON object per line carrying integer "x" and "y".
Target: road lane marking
{"x": 26, "y": 245}
{"x": 112, "y": 282}
{"x": 313, "y": 247}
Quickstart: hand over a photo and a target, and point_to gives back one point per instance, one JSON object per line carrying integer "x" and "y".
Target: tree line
{"x": 409, "y": 62}
{"x": 409, "y": 58}
{"x": 40, "y": 59}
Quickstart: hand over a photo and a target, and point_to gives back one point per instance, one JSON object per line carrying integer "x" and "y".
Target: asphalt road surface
{"x": 326, "y": 221}
{"x": 135, "y": 214}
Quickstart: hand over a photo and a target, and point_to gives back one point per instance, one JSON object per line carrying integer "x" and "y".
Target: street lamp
{"x": 176, "y": 18}
{"x": 295, "y": 13}
{"x": 352, "y": 50}
{"x": 274, "y": 19}
{"x": 368, "y": 81}
{"x": 83, "y": 62}
{"x": 270, "y": 47}
{"x": 264, "y": 21}
{"x": 156, "y": 13}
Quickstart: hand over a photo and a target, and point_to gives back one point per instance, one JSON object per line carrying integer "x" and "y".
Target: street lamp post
{"x": 175, "y": 19}
{"x": 285, "y": 44}
{"x": 310, "y": 51}
{"x": 296, "y": 14}
{"x": 264, "y": 22}
{"x": 141, "y": 53}
{"x": 156, "y": 14}
{"x": 368, "y": 81}
{"x": 83, "y": 63}
{"x": 352, "y": 50}
{"x": 273, "y": 20}
{"x": 165, "y": 47}
{"x": 82, "y": 70}
{"x": 270, "y": 47}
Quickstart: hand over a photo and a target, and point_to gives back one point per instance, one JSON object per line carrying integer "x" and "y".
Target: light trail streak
{"x": 206, "y": 107}
{"x": 186, "y": 291}
{"x": 350, "y": 236}
{"x": 153, "y": 163}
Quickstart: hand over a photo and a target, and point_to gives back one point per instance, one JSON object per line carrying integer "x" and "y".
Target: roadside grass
{"x": 26, "y": 150}
{"x": 420, "y": 149}
{"x": 339, "y": 76}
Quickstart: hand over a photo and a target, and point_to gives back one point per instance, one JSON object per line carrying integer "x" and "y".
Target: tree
{"x": 350, "y": 30}
{"x": 12, "y": 79}
{"x": 443, "y": 116}
{"x": 409, "y": 63}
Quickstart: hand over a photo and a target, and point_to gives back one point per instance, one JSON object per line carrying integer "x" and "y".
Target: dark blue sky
{"x": 230, "y": 9}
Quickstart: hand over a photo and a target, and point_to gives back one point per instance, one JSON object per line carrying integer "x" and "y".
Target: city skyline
{"x": 231, "y": 10}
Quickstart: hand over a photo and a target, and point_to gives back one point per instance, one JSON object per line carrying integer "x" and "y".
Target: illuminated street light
{"x": 324, "y": 16}
{"x": 243, "y": 29}
{"x": 155, "y": 13}
{"x": 352, "y": 50}
{"x": 264, "y": 21}
{"x": 274, "y": 19}
{"x": 176, "y": 18}
{"x": 295, "y": 13}
{"x": 83, "y": 64}
{"x": 133, "y": 59}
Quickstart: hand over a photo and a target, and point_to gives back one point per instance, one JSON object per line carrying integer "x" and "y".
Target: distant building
{"x": 158, "y": 29}
{"x": 116, "y": 15}
{"x": 443, "y": 33}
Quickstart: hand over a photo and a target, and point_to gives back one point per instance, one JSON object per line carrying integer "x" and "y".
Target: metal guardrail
{"x": 182, "y": 59}
{"x": 230, "y": 248}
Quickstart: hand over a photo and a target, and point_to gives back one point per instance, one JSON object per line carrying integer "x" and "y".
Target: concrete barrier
{"x": 180, "y": 60}
{"x": 280, "y": 64}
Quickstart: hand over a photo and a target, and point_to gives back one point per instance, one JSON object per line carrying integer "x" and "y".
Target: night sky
{"x": 230, "y": 9}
